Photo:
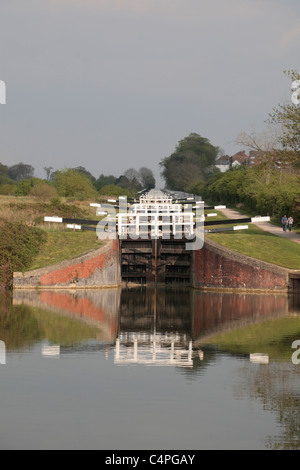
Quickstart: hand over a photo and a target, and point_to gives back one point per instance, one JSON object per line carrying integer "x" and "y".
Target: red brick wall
{"x": 218, "y": 267}
{"x": 82, "y": 270}
{"x": 98, "y": 269}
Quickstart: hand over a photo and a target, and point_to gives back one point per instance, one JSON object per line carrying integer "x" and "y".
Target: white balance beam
{"x": 57, "y": 220}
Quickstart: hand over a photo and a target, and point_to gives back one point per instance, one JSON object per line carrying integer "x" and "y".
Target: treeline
{"x": 76, "y": 183}
{"x": 261, "y": 191}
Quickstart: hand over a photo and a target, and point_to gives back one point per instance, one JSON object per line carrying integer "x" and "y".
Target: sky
{"x": 116, "y": 84}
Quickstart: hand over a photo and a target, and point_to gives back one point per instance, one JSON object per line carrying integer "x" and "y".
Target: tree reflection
{"x": 276, "y": 386}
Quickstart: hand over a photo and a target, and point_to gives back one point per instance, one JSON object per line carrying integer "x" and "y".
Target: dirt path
{"x": 267, "y": 226}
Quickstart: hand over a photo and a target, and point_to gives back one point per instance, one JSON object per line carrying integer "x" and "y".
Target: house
{"x": 240, "y": 158}
{"x": 223, "y": 163}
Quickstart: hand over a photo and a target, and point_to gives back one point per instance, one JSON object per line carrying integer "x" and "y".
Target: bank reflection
{"x": 92, "y": 313}
{"x": 146, "y": 326}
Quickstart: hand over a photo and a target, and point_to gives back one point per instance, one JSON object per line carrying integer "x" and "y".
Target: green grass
{"x": 273, "y": 337}
{"x": 62, "y": 245}
{"x": 261, "y": 245}
{"x": 219, "y": 216}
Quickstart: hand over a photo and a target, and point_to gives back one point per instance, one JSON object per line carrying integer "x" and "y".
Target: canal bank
{"x": 212, "y": 267}
{"x": 95, "y": 270}
{"x": 218, "y": 267}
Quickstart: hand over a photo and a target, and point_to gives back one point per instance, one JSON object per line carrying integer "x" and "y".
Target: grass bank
{"x": 26, "y": 242}
{"x": 62, "y": 245}
{"x": 259, "y": 244}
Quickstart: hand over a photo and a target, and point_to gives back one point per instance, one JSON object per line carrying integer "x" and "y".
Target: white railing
{"x": 153, "y": 350}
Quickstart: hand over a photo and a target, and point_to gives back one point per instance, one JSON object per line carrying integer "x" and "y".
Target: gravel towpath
{"x": 267, "y": 226}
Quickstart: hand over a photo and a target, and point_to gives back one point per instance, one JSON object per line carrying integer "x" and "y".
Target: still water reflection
{"x": 148, "y": 369}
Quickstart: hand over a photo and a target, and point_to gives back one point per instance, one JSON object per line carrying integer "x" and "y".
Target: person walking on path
{"x": 284, "y": 221}
{"x": 290, "y": 223}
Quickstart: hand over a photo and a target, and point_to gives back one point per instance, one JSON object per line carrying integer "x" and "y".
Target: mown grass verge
{"x": 62, "y": 245}
{"x": 261, "y": 245}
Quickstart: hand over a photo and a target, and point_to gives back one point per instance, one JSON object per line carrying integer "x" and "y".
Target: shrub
{"x": 43, "y": 191}
{"x": 72, "y": 184}
{"x": 113, "y": 190}
{"x": 24, "y": 187}
{"x": 19, "y": 244}
{"x": 7, "y": 189}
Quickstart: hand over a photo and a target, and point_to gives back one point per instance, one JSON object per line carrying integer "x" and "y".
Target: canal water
{"x": 144, "y": 369}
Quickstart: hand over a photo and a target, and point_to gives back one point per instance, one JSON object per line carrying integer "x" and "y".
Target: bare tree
{"x": 146, "y": 178}
{"x": 262, "y": 147}
{"x": 48, "y": 170}
{"x": 131, "y": 174}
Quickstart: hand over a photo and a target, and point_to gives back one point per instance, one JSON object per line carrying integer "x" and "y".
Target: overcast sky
{"x": 115, "y": 84}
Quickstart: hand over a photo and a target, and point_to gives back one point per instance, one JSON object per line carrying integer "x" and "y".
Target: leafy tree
{"x": 247, "y": 186}
{"x": 131, "y": 185}
{"x": 288, "y": 117}
{"x": 104, "y": 181}
{"x": 4, "y": 178}
{"x": 25, "y": 186}
{"x": 85, "y": 172}
{"x": 20, "y": 172}
{"x": 3, "y": 170}
{"x": 71, "y": 183}
{"x": 193, "y": 160}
